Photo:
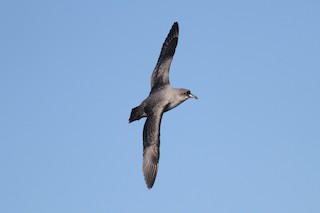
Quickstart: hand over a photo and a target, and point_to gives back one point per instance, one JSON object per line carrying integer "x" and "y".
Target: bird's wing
{"x": 160, "y": 75}
{"x": 151, "y": 145}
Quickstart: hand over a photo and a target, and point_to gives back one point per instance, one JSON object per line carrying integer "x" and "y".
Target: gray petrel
{"x": 162, "y": 98}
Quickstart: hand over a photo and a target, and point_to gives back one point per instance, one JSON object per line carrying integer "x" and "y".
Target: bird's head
{"x": 186, "y": 94}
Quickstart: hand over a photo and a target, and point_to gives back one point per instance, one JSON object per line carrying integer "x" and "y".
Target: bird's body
{"x": 162, "y": 98}
{"x": 166, "y": 98}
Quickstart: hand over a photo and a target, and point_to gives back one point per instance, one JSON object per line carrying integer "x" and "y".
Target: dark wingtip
{"x": 150, "y": 171}
{"x": 149, "y": 186}
{"x": 170, "y": 44}
{"x": 150, "y": 183}
{"x": 175, "y": 25}
{"x": 174, "y": 29}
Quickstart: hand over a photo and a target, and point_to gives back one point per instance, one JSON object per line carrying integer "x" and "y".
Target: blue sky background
{"x": 70, "y": 72}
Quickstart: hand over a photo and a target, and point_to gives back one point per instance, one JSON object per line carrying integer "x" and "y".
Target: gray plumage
{"x": 161, "y": 99}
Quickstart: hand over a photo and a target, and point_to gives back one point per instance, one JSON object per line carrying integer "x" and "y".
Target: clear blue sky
{"x": 70, "y": 72}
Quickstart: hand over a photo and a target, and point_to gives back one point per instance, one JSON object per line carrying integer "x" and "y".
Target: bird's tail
{"x": 137, "y": 113}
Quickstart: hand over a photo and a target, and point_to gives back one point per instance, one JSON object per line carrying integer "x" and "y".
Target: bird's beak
{"x": 193, "y": 96}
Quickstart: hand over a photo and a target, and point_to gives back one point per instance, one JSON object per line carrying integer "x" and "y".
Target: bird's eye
{"x": 187, "y": 92}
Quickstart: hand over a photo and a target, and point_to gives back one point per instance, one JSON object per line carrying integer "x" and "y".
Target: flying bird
{"x": 162, "y": 98}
